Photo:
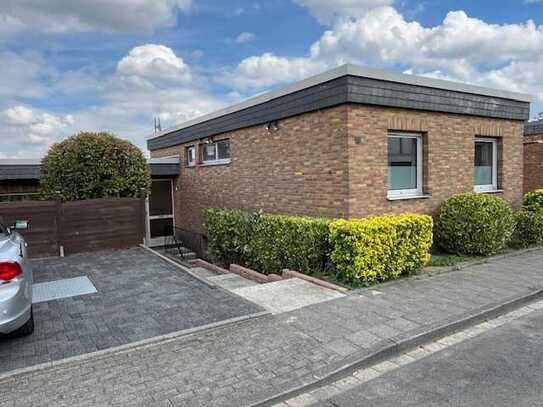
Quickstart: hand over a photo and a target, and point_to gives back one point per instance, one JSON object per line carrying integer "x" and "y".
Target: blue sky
{"x": 72, "y": 65}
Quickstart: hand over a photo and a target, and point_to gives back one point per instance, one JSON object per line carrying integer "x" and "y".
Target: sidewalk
{"x": 250, "y": 362}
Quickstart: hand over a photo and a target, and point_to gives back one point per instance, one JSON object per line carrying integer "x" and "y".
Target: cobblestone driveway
{"x": 139, "y": 296}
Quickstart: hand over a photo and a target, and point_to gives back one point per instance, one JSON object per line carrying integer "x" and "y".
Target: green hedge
{"x": 528, "y": 229}
{"x": 474, "y": 224}
{"x": 380, "y": 248}
{"x": 533, "y": 201}
{"x": 267, "y": 243}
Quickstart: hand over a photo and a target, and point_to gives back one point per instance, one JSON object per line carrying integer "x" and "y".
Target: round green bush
{"x": 528, "y": 229}
{"x": 94, "y": 165}
{"x": 474, "y": 224}
{"x": 533, "y": 201}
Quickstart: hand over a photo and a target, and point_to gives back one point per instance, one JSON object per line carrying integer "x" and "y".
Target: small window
{"x": 486, "y": 165}
{"x": 404, "y": 165}
{"x": 216, "y": 153}
{"x": 191, "y": 156}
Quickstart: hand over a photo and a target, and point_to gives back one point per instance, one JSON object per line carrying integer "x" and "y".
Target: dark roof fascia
{"x": 349, "y": 89}
{"x": 33, "y": 172}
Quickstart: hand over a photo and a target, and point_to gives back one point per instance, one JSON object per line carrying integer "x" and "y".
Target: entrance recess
{"x": 161, "y": 211}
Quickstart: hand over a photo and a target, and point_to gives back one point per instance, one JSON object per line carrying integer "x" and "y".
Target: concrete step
{"x": 202, "y": 272}
{"x": 231, "y": 281}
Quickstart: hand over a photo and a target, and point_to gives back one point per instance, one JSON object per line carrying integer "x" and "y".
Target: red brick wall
{"x": 449, "y": 153}
{"x": 299, "y": 169}
{"x": 312, "y": 165}
{"x": 533, "y": 162}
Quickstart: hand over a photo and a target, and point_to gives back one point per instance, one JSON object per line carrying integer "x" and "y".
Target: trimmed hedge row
{"x": 363, "y": 250}
{"x": 483, "y": 225}
{"x": 380, "y": 248}
{"x": 267, "y": 243}
{"x": 474, "y": 224}
{"x": 533, "y": 201}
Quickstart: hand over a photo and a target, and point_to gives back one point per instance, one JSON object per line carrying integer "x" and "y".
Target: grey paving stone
{"x": 139, "y": 296}
{"x": 236, "y": 365}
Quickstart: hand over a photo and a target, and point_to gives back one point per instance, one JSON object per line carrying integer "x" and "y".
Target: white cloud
{"x": 27, "y": 130}
{"x": 244, "y": 37}
{"x": 84, "y": 15}
{"x": 329, "y": 11}
{"x": 153, "y": 64}
{"x": 149, "y": 81}
{"x": 383, "y": 37}
{"x": 463, "y": 48}
{"x": 23, "y": 75}
{"x": 268, "y": 69}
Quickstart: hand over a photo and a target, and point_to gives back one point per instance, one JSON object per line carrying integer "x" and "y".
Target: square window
{"x": 216, "y": 153}
{"x": 404, "y": 165}
{"x": 486, "y": 165}
{"x": 209, "y": 152}
{"x": 223, "y": 149}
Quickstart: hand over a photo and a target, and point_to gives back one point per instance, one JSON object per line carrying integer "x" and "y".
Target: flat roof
{"x": 356, "y": 71}
{"x": 30, "y": 169}
{"x": 533, "y": 127}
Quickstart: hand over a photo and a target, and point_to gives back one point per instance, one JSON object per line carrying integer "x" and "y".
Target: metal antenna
{"x": 158, "y": 126}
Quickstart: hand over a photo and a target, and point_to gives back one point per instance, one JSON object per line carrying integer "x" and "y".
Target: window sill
{"x": 493, "y": 191}
{"x": 213, "y": 163}
{"x": 402, "y": 198}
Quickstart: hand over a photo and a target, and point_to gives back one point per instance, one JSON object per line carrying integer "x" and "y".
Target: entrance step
{"x": 202, "y": 272}
{"x": 231, "y": 281}
{"x": 287, "y": 295}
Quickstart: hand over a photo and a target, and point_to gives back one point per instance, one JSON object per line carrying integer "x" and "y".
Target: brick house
{"x": 533, "y": 155}
{"x": 350, "y": 142}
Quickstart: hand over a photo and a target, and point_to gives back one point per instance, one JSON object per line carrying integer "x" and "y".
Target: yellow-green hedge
{"x": 380, "y": 248}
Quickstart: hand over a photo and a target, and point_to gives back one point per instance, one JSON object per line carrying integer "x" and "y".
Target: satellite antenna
{"x": 158, "y": 126}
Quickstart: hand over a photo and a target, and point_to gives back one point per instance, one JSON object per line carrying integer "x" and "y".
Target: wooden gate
{"x": 79, "y": 226}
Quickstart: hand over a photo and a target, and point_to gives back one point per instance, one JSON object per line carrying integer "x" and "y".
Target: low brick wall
{"x": 533, "y": 162}
{"x": 316, "y": 281}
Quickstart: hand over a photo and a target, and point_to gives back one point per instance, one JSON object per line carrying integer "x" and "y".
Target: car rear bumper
{"x": 15, "y": 305}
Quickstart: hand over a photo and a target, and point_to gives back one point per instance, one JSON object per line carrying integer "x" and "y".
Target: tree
{"x": 94, "y": 165}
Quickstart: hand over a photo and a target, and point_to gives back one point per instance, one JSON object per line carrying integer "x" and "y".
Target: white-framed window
{"x": 191, "y": 156}
{"x": 216, "y": 153}
{"x": 486, "y": 165}
{"x": 405, "y": 165}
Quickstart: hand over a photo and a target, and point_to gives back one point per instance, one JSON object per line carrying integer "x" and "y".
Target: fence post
{"x": 60, "y": 239}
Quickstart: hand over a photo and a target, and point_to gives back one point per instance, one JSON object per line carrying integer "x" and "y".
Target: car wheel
{"x": 26, "y": 329}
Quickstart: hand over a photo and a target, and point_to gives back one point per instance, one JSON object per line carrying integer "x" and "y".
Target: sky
{"x": 113, "y": 65}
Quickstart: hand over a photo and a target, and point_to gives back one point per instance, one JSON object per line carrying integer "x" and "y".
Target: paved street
{"x": 500, "y": 368}
{"x": 249, "y": 362}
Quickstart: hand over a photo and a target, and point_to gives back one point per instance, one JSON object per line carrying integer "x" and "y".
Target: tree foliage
{"x": 94, "y": 165}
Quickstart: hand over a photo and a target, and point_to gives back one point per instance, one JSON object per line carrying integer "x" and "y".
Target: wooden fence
{"x": 79, "y": 226}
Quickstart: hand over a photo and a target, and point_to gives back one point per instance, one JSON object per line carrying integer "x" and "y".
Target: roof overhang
{"x": 30, "y": 169}
{"x": 353, "y": 84}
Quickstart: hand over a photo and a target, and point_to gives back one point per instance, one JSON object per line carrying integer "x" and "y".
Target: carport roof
{"x": 30, "y": 169}
{"x": 533, "y": 127}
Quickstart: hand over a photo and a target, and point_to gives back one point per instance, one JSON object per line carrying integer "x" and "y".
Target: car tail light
{"x": 9, "y": 270}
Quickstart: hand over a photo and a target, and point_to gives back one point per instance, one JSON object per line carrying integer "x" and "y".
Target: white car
{"x": 16, "y": 318}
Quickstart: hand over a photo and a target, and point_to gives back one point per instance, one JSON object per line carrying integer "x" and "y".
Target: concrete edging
{"x": 403, "y": 345}
{"x": 179, "y": 266}
{"x": 131, "y": 347}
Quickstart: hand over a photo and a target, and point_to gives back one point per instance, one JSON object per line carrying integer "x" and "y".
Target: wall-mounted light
{"x": 358, "y": 140}
{"x": 273, "y": 126}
